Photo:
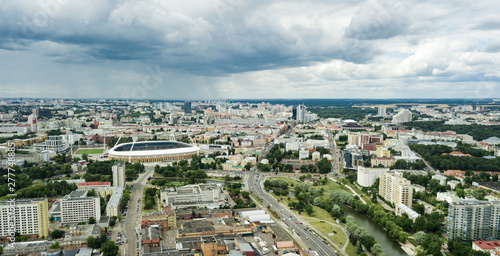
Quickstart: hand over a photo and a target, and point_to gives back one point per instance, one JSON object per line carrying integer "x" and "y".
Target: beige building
{"x": 31, "y": 217}
{"x": 396, "y": 189}
{"x": 384, "y": 161}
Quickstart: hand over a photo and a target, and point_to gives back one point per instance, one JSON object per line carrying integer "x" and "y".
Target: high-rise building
{"x": 301, "y": 112}
{"x": 404, "y": 115}
{"x": 395, "y": 189}
{"x": 472, "y": 219}
{"x": 31, "y": 217}
{"x": 187, "y": 107}
{"x": 118, "y": 174}
{"x": 382, "y": 111}
{"x": 78, "y": 207}
{"x": 294, "y": 112}
{"x": 368, "y": 176}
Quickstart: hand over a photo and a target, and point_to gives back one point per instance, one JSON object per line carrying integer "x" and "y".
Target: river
{"x": 388, "y": 244}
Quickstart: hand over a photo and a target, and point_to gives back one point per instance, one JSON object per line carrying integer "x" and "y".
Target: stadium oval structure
{"x": 152, "y": 151}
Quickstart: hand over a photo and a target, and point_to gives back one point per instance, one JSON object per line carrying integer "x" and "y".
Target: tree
{"x": 248, "y": 166}
{"x": 377, "y": 250}
{"x": 91, "y": 220}
{"x": 360, "y": 249}
{"x": 324, "y": 166}
{"x": 309, "y": 209}
{"x": 85, "y": 157}
{"x": 419, "y": 237}
{"x": 56, "y": 234}
{"x": 419, "y": 208}
{"x": 419, "y": 224}
{"x": 55, "y": 245}
{"x": 109, "y": 248}
{"x": 460, "y": 192}
{"x": 494, "y": 177}
{"x": 92, "y": 242}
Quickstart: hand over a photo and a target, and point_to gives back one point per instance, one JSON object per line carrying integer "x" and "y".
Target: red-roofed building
{"x": 102, "y": 188}
{"x": 457, "y": 153}
{"x": 457, "y": 173}
{"x": 486, "y": 246}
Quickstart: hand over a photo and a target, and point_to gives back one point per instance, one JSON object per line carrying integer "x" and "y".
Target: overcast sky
{"x": 211, "y": 49}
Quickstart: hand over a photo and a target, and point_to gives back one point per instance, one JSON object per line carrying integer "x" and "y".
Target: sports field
{"x": 89, "y": 151}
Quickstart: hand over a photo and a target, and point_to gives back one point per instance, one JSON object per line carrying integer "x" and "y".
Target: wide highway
{"x": 316, "y": 243}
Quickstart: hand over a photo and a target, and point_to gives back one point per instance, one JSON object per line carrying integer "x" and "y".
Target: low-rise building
{"x": 25, "y": 248}
{"x": 401, "y": 208}
{"x": 192, "y": 195}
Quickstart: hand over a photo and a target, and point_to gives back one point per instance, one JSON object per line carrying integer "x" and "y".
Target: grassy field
{"x": 89, "y": 151}
{"x": 323, "y": 224}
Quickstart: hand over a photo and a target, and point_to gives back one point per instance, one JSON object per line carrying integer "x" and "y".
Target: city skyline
{"x": 255, "y": 50}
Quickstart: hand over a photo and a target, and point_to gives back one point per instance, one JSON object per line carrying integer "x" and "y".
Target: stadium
{"x": 152, "y": 151}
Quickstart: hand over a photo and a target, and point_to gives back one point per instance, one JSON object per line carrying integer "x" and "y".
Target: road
{"x": 133, "y": 217}
{"x": 314, "y": 242}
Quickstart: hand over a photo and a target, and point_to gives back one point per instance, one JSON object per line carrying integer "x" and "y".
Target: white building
{"x": 112, "y": 208}
{"x": 401, "y": 208}
{"x": 368, "y": 176}
{"x": 293, "y": 146}
{"x": 78, "y": 207}
{"x": 440, "y": 178}
{"x": 118, "y": 174}
{"x": 54, "y": 144}
{"x": 382, "y": 111}
{"x": 303, "y": 154}
{"x": 403, "y": 116}
{"x": 192, "y": 195}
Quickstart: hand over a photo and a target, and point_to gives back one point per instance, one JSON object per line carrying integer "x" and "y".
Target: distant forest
{"x": 343, "y": 113}
{"x": 478, "y": 132}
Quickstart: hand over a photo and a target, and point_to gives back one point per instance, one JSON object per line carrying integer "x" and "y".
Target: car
{"x": 296, "y": 223}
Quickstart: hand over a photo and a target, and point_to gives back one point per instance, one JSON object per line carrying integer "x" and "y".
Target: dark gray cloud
{"x": 230, "y": 47}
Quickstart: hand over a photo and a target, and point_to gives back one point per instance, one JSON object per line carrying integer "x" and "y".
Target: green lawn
{"x": 327, "y": 228}
{"x": 89, "y": 151}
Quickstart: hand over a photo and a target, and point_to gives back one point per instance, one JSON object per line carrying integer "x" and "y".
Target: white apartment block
{"x": 396, "y": 189}
{"x": 368, "y": 176}
{"x": 198, "y": 194}
{"x": 31, "y": 217}
{"x": 472, "y": 219}
{"x": 77, "y": 207}
{"x": 119, "y": 174}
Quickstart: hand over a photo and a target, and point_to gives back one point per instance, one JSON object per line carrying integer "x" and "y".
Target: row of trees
{"x": 359, "y": 234}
